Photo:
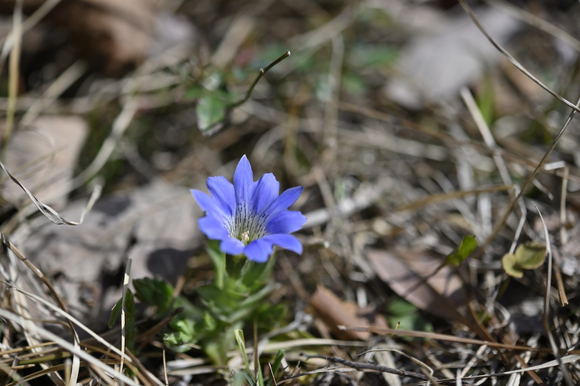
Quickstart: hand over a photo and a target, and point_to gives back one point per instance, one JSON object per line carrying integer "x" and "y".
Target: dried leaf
{"x": 334, "y": 312}
{"x": 44, "y": 159}
{"x": 404, "y": 270}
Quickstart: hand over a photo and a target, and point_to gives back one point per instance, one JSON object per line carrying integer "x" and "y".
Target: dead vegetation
{"x": 407, "y": 126}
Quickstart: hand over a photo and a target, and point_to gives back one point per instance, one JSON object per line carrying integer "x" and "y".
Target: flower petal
{"x": 243, "y": 182}
{"x": 285, "y": 241}
{"x": 259, "y": 250}
{"x": 266, "y": 191}
{"x": 232, "y": 246}
{"x": 212, "y": 228}
{"x": 283, "y": 202}
{"x": 286, "y": 222}
{"x": 209, "y": 205}
{"x": 222, "y": 191}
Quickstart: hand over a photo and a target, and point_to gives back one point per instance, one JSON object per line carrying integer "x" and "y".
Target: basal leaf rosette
{"x": 250, "y": 217}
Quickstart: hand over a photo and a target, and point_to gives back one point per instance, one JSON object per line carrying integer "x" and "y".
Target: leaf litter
{"x": 393, "y": 191}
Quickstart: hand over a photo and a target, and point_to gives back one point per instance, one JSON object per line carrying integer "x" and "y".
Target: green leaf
{"x": 242, "y": 346}
{"x": 241, "y": 378}
{"x": 278, "y": 361}
{"x": 210, "y": 111}
{"x": 528, "y": 256}
{"x": 353, "y": 84}
{"x": 408, "y": 315}
{"x": 510, "y": 265}
{"x": 467, "y": 246}
{"x": 218, "y": 259}
{"x": 365, "y": 56}
{"x": 154, "y": 292}
{"x": 130, "y": 320}
{"x": 115, "y": 313}
{"x": 260, "y": 377}
{"x": 255, "y": 275}
{"x": 184, "y": 333}
{"x": 531, "y": 255}
{"x": 194, "y": 92}
{"x": 209, "y": 323}
{"x": 486, "y": 100}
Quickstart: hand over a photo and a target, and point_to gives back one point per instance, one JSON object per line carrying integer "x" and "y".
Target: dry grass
{"x": 408, "y": 185}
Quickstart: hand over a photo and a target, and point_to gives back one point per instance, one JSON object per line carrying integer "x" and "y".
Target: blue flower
{"x": 250, "y": 217}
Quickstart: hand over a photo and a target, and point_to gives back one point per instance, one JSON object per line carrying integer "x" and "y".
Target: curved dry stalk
{"x": 546, "y": 314}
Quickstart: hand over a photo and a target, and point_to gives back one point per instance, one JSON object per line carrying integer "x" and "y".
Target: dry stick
{"x": 126, "y": 279}
{"x": 413, "y": 359}
{"x": 544, "y": 159}
{"x": 14, "y": 73}
{"x": 165, "y": 370}
{"x": 547, "y": 303}
{"x": 563, "y": 237}
{"x": 150, "y": 334}
{"x": 371, "y": 366}
{"x": 563, "y": 233}
{"x": 260, "y": 74}
{"x": 272, "y": 376}
{"x": 450, "y": 338}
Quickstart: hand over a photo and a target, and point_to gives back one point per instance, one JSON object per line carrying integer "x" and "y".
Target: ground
{"x": 436, "y": 143}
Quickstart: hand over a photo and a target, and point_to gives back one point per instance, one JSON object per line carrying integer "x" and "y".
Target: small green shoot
{"x": 462, "y": 252}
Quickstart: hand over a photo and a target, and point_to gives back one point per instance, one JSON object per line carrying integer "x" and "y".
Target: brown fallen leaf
{"x": 44, "y": 159}
{"x": 404, "y": 270}
{"x": 334, "y": 312}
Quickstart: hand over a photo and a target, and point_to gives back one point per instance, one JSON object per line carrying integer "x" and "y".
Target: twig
{"x": 260, "y": 75}
{"x": 149, "y": 334}
{"x": 451, "y": 338}
{"x": 126, "y": 279}
{"x": 371, "y": 366}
